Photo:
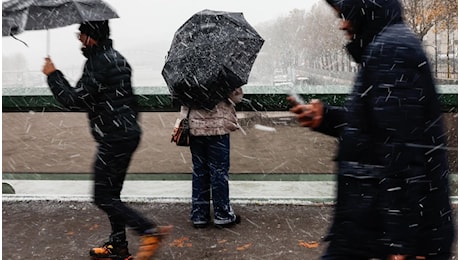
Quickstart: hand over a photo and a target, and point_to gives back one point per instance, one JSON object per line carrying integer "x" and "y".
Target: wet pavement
{"x": 64, "y": 224}
{"x": 68, "y": 229}
{"x": 53, "y": 217}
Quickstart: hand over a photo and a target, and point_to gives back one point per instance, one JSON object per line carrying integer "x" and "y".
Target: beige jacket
{"x": 220, "y": 120}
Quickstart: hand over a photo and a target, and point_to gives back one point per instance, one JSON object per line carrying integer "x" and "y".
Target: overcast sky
{"x": 142, "y": 21}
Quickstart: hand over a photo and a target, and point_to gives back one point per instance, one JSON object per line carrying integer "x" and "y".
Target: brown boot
{"x": 151, "y": 242}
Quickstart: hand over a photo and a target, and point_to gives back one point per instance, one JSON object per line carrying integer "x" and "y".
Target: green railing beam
{"x": 158, "y": 99}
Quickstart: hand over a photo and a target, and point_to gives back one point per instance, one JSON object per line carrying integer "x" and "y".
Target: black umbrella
{"x": 24, "y": 15}
{"x": 211, "y": 55}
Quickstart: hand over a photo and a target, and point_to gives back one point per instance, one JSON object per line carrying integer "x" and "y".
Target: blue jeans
{"x": 211, "y": 162}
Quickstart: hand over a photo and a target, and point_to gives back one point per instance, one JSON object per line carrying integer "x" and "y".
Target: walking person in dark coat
{"x": 105, "y": 93}
{"x": 392, "y": 194}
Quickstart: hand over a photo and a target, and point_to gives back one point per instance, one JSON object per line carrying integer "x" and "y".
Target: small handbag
{"x": 181, "y": 133}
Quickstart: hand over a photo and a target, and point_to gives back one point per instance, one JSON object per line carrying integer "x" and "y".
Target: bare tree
{"x": 326, "y": 42}
{"x": 309, "y": 40}
{"x": 448, "y": 23}
{"x": 284, "y": 45}
{"x": 422, "y": 15}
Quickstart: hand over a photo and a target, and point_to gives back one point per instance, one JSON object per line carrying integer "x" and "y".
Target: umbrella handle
{"x": 47, "y": 43}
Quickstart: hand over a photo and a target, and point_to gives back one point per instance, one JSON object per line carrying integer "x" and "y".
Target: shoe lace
{"x": 107, "y": 248}
{"x": 108, "y": 245}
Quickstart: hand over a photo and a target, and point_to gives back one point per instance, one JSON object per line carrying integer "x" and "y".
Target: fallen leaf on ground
{"x": 94, "y": 227}
{"x": 311, "y": 244}
{"x": 244, "y": 247}
{"x": 181, "y": 242}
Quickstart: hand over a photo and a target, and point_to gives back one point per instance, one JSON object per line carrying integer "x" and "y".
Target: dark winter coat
{"x": 393, "y": 193}
{"x": 104, "y": 92}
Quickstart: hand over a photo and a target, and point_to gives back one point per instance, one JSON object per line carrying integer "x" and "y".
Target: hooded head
{"x": 368, "y": 18}
{"x": 98, "y": 30}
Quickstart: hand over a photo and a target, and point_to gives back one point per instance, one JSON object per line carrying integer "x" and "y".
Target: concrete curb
{"x": 263, "y": 192}
{"x": 241, "y": 192}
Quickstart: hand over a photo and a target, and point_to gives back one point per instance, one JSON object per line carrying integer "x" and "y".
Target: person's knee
{"x": 98, "y": 202}
{"x": 102, "y": 201}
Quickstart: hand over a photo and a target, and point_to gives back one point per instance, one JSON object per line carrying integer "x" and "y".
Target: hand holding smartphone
{"x": 308, "y": 115}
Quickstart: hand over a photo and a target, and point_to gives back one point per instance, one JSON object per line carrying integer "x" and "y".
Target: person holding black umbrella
{"x": 392, "y": 181}
{"x": 210, "y": 147}
{"x": 210, "y": 58}
{"x": 105, "y": 93}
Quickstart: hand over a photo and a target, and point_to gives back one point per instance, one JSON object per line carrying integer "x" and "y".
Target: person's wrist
{"x": 316, "y": 121}
{"x": 49, "y": 72}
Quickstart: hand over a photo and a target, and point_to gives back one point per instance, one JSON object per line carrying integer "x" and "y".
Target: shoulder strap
{"x": 188, "y": 113}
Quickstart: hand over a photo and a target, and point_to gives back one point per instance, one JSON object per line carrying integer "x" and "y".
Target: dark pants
{"x": 331, "y": 256}
{"x": 110, "y": 169}
{"x": 373, "y": 215}
{"x": 211, "y": 162}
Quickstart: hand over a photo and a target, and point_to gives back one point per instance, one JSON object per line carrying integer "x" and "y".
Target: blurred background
{"x": 303, "y": 45}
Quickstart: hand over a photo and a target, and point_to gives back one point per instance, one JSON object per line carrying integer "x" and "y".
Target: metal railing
{"x": 157, "y": 98}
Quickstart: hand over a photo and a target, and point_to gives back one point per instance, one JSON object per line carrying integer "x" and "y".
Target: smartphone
{"x": 297, "y": 98}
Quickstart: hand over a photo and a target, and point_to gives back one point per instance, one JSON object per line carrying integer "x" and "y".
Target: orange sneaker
{"x": 111, "y": 251}
{"x": 150, "y": 243}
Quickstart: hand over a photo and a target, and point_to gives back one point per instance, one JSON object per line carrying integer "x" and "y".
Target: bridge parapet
{"x": 157, "y": 98}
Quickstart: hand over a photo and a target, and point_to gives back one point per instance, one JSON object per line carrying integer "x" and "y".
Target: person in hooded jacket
{"x": 105, "y": 93}
{"x": 392, "y": 182}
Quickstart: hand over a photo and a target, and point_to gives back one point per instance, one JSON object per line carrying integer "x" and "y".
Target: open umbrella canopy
{"x": 211, "y": 54}
{"x": 23, "y": 15}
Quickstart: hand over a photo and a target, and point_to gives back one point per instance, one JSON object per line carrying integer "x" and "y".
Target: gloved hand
{"x": 308, "y": 115}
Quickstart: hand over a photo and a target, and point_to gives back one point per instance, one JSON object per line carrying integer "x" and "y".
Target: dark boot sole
{"x": 229, "y": 225}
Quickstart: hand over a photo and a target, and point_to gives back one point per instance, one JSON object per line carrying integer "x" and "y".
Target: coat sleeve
{"x": 65, "y": 94}
{"x": 183, "y": 112}
{"x": 74, "y": 98}
{"x": 333, "y": 121}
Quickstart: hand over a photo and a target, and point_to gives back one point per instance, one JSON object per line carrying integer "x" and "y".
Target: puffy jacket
{"x": 220, "y": 120}
{"x": 104, "y": 91}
